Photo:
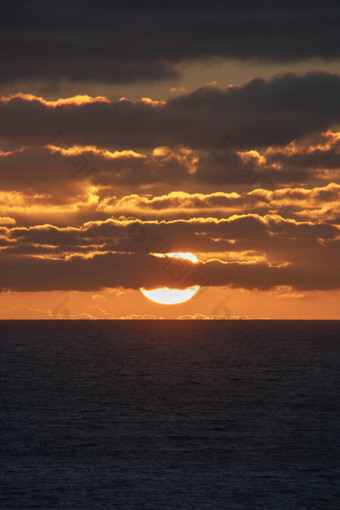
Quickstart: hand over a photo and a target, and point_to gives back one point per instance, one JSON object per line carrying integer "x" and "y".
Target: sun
{"x": 166, "y": 296}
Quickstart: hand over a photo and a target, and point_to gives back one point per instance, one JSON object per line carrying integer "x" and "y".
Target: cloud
{"x": 5, "y": 220}
{"x": 59, "y": 175}
{"x": 238, "y": 232}
{"x": 63, "y": 199}
{"x": 247, "y": 250}
{"x": 134, "y": 271}
{"x": 256, "y": 115}
{"x": 76, "y": 100}
{"x": 108, "y": 43}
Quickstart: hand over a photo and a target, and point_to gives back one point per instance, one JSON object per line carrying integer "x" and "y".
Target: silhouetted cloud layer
{"x": 243, "y": 250}
{"x": 256, "y": 115}
{"x": 132, "y": 42}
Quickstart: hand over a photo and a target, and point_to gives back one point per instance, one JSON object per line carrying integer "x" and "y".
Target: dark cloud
{"x": 53, "y": 68}
{"x": 255, "y": 115}
{"x": 197, "y": 234}
{"x": 65, "y": 174}
{"x": 132, "y": 41}
{"x": 258, "y": 252}
{"x": 134, "y": 270}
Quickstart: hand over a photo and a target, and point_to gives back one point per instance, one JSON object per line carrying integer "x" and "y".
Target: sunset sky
{"x": 203, "y": 128}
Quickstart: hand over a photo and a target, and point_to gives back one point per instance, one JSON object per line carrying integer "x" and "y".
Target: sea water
{"x": 161, "y": 415}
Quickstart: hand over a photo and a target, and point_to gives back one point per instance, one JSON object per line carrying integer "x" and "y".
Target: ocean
{"x": 157, "y": 415}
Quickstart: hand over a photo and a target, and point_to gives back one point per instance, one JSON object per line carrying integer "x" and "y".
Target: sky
{"x": 131, "y": 131}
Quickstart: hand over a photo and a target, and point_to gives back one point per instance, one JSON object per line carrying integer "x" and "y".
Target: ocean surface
{"x": 176, "y": 415}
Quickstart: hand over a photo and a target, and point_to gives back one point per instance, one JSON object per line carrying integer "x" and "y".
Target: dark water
{"x": 170, "y": 415}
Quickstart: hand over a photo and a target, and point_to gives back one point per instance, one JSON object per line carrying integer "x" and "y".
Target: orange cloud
{"x": 4, "y": 154}
{"x": 75, "y": 100}
{"x": 5, "y": 220}
{"x": 76, "y": 150}
{"x": 145, "y": 100}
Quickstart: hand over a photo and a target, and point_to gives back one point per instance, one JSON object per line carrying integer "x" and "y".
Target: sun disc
{"x": 167, "y": 296}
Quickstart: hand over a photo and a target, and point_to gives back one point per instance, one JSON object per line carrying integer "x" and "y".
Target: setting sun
{"x": 167, "y": 296}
